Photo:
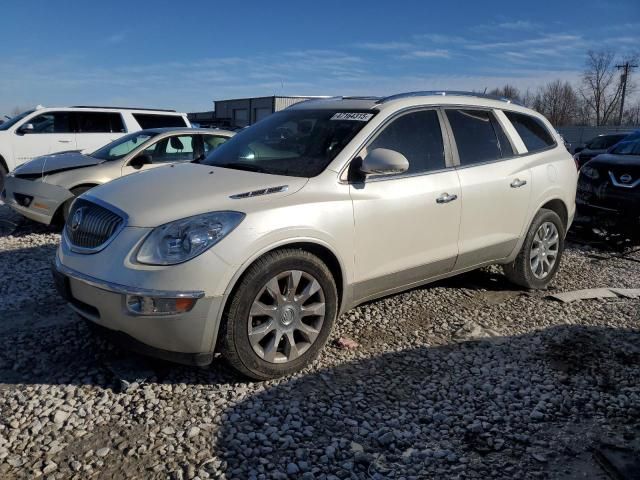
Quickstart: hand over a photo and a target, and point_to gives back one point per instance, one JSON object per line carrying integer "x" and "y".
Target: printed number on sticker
{"x": 358, "y": 117}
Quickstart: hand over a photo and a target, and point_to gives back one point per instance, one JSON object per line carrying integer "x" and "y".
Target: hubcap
{"x": 544, "y": 250}
{"x": 286, "y": 316}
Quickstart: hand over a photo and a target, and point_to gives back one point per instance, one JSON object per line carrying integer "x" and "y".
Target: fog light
{"x": 141, "y": 305}
{"x": 22, "y": 199}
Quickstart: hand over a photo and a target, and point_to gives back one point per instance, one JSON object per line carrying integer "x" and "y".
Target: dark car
{"x": 596, "y": 146}
{"x": 609, "y": 187}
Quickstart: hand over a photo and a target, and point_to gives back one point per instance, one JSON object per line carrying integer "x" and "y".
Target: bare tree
{"x": 584, "y": 114}
{"x": 528, "y": 98}
{"x": 508, "y": 91}
{"x": 632, "y": 114}
{"x": 600, "y": 88}
{"x": 557, "y": 101}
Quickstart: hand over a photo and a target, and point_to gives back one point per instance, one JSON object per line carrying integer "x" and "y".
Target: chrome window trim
{"x": 123, "y": 289}
{"x": 107, "y": 206}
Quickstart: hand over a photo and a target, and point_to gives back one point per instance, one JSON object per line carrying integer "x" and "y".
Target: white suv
{"x": 49, "y": 130}
{"x": 256, "y": 250}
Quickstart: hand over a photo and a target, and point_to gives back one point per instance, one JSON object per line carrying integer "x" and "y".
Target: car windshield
{"x": 13, "y": 120}
{"x": 299, "y": 143}
{"x": 601, "y": 143}
{"x": 633, "y": 136}
{"x": 123, "y": 146}
{"x": 627, "y": 148}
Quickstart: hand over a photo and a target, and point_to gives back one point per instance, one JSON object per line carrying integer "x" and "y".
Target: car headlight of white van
{"x": 184, "y": 239}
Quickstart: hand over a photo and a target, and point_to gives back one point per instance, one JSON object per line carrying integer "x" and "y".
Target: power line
{"x": 623, "y": 79}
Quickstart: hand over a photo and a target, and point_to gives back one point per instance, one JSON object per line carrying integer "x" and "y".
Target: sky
{"x": 184, "y": 55}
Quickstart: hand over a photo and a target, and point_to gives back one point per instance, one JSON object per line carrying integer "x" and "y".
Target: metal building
{"x": 241, "y": 112}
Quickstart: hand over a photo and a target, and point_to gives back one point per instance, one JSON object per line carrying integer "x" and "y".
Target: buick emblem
{"x": 76, "y": 220}
{"x": 626, "y": 178}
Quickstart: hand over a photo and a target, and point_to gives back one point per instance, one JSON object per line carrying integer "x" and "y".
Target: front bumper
{"x": 44, "y": 199}
{"x": 184, "y": 338}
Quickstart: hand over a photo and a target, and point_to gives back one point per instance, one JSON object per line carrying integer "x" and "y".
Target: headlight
{"x": 589, "y": 172}
{"x": 182, "y": 240}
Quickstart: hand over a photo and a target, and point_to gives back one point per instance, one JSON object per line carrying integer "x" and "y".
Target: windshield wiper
{"x": 249, "y": 167}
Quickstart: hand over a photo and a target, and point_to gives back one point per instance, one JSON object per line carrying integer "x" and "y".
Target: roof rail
{"x": 446, "y": 93}
{"x": 124, "y": 108}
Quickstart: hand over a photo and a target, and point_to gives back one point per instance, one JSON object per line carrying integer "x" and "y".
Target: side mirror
{"x": 140, "y": 160}
{"x": 382, "y": 161}
{"x": 26, "y": 128}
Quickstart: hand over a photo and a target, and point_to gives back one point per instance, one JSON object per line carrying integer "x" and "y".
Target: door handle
{"x": 64, "y": 141}
{"x": 446, "y": 198}
{"x": 517, "y": 183}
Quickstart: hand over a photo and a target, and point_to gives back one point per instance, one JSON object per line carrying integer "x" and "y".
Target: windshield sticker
{"x": 358, "y": 117}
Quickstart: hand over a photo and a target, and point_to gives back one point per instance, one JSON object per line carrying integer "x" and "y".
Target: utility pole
{"x": 623, "y": 79}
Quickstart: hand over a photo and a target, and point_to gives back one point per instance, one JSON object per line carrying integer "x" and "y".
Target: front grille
{"x": 90, "y": 226}
{"x": 626, "y": 176}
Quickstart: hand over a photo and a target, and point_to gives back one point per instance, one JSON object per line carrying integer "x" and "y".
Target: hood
{"x": 613, "y": 160}
{"x": 163, "y": 194}
{"x": 58, "y": 162}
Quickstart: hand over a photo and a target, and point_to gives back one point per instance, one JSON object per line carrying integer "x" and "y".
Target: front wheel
{"x": 539, "y": 257}
{"x": 3, "y": 176}
{"x": 280, "y": 316}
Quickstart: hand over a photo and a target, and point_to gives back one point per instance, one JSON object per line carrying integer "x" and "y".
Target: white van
{"x": 49, "y": 130}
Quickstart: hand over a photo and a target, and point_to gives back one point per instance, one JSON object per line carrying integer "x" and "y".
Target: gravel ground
{"x": 467, "y": 378}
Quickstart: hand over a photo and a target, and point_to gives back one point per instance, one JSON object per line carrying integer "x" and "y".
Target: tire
{"x": 524, "y": 270}
{"x": 67, "y": 205}
{"x": 308, "y": 322}
{"x": 3, "y": 176}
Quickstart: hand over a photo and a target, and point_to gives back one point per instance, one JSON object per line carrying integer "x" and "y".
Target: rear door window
{"x": 99, "y": 122}
{"x": 155, "y": 120}
{"x": 532, "y": 131}
{"x": 479, "y": 136}
{"x": 173, "y": 149}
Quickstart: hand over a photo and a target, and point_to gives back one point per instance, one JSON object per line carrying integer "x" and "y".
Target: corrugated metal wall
{"x": 246, "y": 111}
{"x": 283, "y": 102}
{"x": 578, "y": 136}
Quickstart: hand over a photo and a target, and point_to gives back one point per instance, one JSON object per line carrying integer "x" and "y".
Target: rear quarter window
{"x": 532, "y": 131}
{"x": 153, "y": 120}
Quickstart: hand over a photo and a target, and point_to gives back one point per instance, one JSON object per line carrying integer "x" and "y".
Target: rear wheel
{"x": 539, "y": 258}
{"x": 280, "y": 316}
{"x": 67, "y": 205}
